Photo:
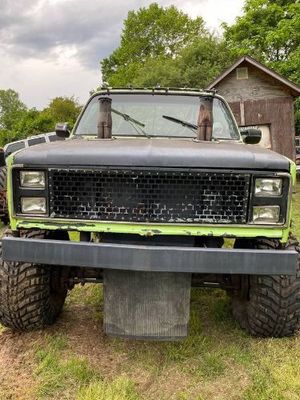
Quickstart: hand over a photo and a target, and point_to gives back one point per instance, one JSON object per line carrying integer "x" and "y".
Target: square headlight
{"x": 266, "y": 214}
{"x": 33, "y": 205}
{"x": 32, "y": 179}
{"x": 268, "y": 187}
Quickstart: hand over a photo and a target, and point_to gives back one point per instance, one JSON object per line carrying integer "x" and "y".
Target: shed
{"x": 261, "y": 98}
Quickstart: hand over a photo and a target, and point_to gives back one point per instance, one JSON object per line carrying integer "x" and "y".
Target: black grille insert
{"x": 149, "y": 196}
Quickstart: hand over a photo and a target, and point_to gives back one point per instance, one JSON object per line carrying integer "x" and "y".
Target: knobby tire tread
{"x": 273, "y": 306}
{"x": 27, "y": 300}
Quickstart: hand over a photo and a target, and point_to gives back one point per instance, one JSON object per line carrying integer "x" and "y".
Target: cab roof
{"x": 155, "y": 90}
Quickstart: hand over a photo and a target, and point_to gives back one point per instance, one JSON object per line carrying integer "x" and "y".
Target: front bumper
{"x": 150, "y": 258}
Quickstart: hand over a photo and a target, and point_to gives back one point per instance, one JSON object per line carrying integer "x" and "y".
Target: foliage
{"x": 17, "y": 122}
{"x": 155, "y": 34}
{"x": 63, "y": 109}
{"x": 11, "y": 109}
{"x": 270, "y": 31}
{"x": 195, "y": 66}
{"x": 32, "y": 123}
{"x": 203, "y": 60}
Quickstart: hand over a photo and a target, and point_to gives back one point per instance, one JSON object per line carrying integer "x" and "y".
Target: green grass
{"x": 62, "y": 375}
{"x": 58, "y": 371}
{"x": 120, "y": 388}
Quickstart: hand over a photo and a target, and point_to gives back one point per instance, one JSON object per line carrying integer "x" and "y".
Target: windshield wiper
{"x": 186, "y": 124}
{"x": 127, "y": 117}
{"x": 133, "y": 122}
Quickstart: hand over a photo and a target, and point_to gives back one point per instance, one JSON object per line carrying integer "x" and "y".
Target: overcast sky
{"x": 51, "y": 48}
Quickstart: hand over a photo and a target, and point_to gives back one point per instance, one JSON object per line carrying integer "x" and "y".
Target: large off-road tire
{"x": 3, "y": 177}
{"x": 31, "y": 296}
{"x": 268, "y": 306}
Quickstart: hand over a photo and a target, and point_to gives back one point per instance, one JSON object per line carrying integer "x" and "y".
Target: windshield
{"x": 162, "y": 116}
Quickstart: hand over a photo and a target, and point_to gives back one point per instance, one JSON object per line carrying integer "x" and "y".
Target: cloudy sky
{"x": 52, "y": 48}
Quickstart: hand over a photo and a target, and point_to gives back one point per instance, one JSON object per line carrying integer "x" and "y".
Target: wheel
{"x": 268, "y": 306}
{"x": 3, "y": 173}
{"x": 31, "y": 295}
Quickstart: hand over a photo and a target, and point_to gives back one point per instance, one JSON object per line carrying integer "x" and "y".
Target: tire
{"x": 269, "y": 306}
{"x": 3, "y": 177}
{"x": 31, "y": 295}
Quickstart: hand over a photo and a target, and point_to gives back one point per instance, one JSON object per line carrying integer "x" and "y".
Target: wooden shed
{"x": 261, "y": 98}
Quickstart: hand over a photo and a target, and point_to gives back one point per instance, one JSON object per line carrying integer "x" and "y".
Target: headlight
{"x": 33, "y": 205}
{"x": 32, "y": 179}
{"x": 268, "y": 187}
{"x": 266, "y": 214}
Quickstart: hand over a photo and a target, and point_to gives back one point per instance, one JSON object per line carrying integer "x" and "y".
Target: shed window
{"x": 242, "y": 73}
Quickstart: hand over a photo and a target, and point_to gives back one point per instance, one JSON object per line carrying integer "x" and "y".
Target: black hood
{"x": 155, "y": 152}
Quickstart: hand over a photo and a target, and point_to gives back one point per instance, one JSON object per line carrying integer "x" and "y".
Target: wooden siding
{"x": 278, "y": 113}
{"x": 258, "y": 86}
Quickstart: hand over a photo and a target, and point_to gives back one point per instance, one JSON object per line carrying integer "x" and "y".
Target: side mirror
{"x": 251, "y": 136}
{"x": 62, "y": 130}
{"x": 2, "y": 158}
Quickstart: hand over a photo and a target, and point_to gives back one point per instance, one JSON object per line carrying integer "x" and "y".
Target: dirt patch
{"x": 86, "y": 339}
{"x": 16, "y": 360}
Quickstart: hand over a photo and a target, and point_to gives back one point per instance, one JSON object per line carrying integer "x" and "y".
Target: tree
{"x": 63, "y": 109}
{"x": 195, "y": 66}
{"x": 203, "y": 60}
{"x": 11, "y": 109}
{"x": 17, "y": 122}
{"x": 152, "y": 34}
{"x": 269, "y": 30}
{"x": 32, "y": 123}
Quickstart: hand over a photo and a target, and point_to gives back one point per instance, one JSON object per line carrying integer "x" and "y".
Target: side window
{"x": 54, "y": 138}
{"x": 14, "y": 147}
{"x": 38, "y": 140}
{"x": 223, "y": 124}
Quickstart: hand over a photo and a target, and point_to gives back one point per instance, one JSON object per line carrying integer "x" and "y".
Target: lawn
{"x": 74, "y": 360}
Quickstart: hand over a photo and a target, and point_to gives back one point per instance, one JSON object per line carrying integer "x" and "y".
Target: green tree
{"x": 203, "y": 60}
{"x": 11, "y": 109}
{"x": 195, "y": 66}
{"x": 17, "y": 122}
{"x": 32, "y": 123}
{"x": 63, "y": 109}
{"x": 159, "y": 71}
{"x": 155, "y": 35}
{"x": 269, "y": 30}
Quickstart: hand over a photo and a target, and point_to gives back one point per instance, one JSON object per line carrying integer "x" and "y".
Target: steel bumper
{"x": 150, "y": 258}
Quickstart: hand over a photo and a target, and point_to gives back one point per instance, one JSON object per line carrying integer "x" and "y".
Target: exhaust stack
{"x": 205, "y": 120}
{"x": 105, "y": 121}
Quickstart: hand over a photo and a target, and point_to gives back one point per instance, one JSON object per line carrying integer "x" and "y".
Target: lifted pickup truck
{"x": 152, "y": 182}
